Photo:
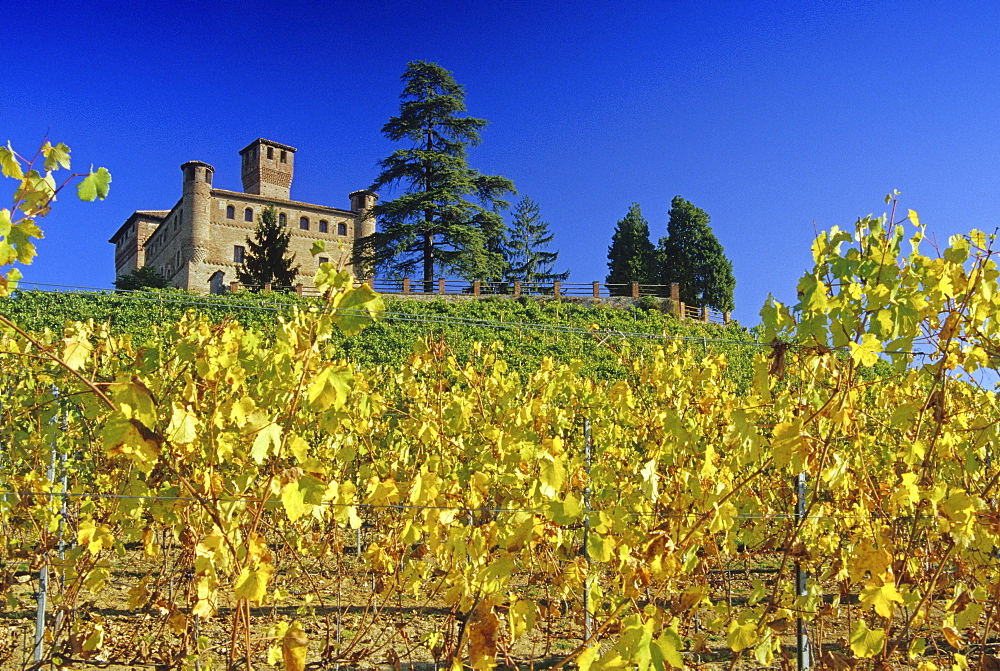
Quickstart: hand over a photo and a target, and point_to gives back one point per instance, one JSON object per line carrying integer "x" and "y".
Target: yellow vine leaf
{"x": 881, "y": 598}
{"x": 741, "y": 635}
{"x": 869, "y": 558}
{"x": 483, "y": 626}
{"x": 330, "y": 388}
{"x": 521, "y": 617}
{"x": 866, "y": 642}
{"x": 9, "y": 163}
{"x": 76, "y": 352}
{"x": 866, "y": 352}
{"x": 95, "y": 537}
{"x": 357, "y": 309}
{"x": 666, "y": 650}
{"x": 552, "y": 477}
{"x": 585, "y": 660}
{"x": 294, "y": 645}
{"x": 293, "y": 499}
{"x": 268, "y": 441}
{"x": 790, "y": 448}
{"x": 183, "y": 426}
{"x": 953, "y": 637}
{"x": 252, "y": 584}
{"x": 907, "y": 493}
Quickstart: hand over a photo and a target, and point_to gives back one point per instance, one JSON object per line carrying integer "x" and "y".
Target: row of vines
{"x": 214, "y": 498}
{"x": 529, "y": 328}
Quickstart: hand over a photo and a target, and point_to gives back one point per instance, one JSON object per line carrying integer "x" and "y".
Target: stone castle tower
{"x": 198, "y": 243}
{"x": 268, "y": 168}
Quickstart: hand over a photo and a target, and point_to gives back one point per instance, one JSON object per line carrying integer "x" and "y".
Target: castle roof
{"x": 272, "y": 143}
{"x": 139, "y": 214}
{"x": 271, "y": 200}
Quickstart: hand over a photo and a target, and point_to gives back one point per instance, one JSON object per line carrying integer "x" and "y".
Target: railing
{"x": 456, "y": 287}
{"x": 443, "y": 286}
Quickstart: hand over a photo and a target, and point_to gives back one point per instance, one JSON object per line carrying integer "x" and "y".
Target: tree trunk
{"x": 428, "y": 263}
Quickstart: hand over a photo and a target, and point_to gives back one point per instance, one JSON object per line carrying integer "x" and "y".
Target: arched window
{"x": 282, "y": 219}
{"x": 341, "y": 229}
{"x": 248, "y": 214}
{"x": 323, "y": 226}
{"x": 230, "y": 212}
{"x": 304, "y": 223}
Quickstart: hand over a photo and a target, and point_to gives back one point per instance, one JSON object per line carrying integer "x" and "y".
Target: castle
{"x": 198, "y": 243}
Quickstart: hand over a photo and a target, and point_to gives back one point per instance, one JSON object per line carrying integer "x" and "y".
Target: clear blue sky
{"x": 777, "y": 118}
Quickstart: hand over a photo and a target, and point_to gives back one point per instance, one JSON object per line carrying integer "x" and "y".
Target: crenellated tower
{"x": 196, "y": 232}
{"x": 362, "y": 203}
{"x": 268, "y": 168}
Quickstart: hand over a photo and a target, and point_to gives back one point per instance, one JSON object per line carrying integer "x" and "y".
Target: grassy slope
{"x": 528, "y": 329}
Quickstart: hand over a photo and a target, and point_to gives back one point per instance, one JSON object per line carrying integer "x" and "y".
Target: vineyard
{"x": 216, "y": 496}
{"x": 529, "y": 329}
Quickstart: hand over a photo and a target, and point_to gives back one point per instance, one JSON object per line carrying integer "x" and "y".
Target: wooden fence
{"x": 478, "y": 288}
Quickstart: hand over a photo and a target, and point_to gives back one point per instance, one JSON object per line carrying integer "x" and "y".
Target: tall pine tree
{"x": 267, "y": 260}
{"x": 527, "y": 240}
{"x": 631, "y": 257}
{"x": 448, "y": 214}
{"x": 691, "y": 255}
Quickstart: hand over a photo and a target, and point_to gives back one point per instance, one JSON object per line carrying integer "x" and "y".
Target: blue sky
{"x": 777, "y": 118}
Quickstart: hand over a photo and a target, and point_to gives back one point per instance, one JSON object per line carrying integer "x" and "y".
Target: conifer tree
{"x": 449, "y": 213}
{"x": 691, "y": 255}
{"x": 631, "y": 257}
{"x": 267, "y": 260}
{"x": 146, "y": 277}
{"x": 528, "y": 238}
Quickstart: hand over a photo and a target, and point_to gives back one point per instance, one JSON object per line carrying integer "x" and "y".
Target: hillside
{"x": 601, "y": 337}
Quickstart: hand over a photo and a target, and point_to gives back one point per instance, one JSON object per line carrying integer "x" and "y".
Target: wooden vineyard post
{"x": 801, "y": 636}
{"x": 587, "y": 617}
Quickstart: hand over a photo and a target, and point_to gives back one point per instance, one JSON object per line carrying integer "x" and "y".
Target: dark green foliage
{"x": 146, "y": 277}
{"x": 527, "y": 241}
{"x": 631, "y": 256}
{"x": 527, "y": 329}
{"x": 447, "y": 219}
{"x": 691, "y": 255}
{"x": 267, "y": 260}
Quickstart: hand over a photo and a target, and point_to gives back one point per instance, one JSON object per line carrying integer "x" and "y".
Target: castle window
{"x": 270, "y": 152}
{"x": 248, "y": 214}
{"x": 323, "y": 260}
{"x": 341, "y": 228}
{"x": 304, "y": 223}
{"x": 284, "y": 155}
{"x": 208, "y": 176}
{"x": 239, "y": 253}
{"x": 323, "y": 226}
{"x": 282, "y": 219}
{"x": 230, "y": 212}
